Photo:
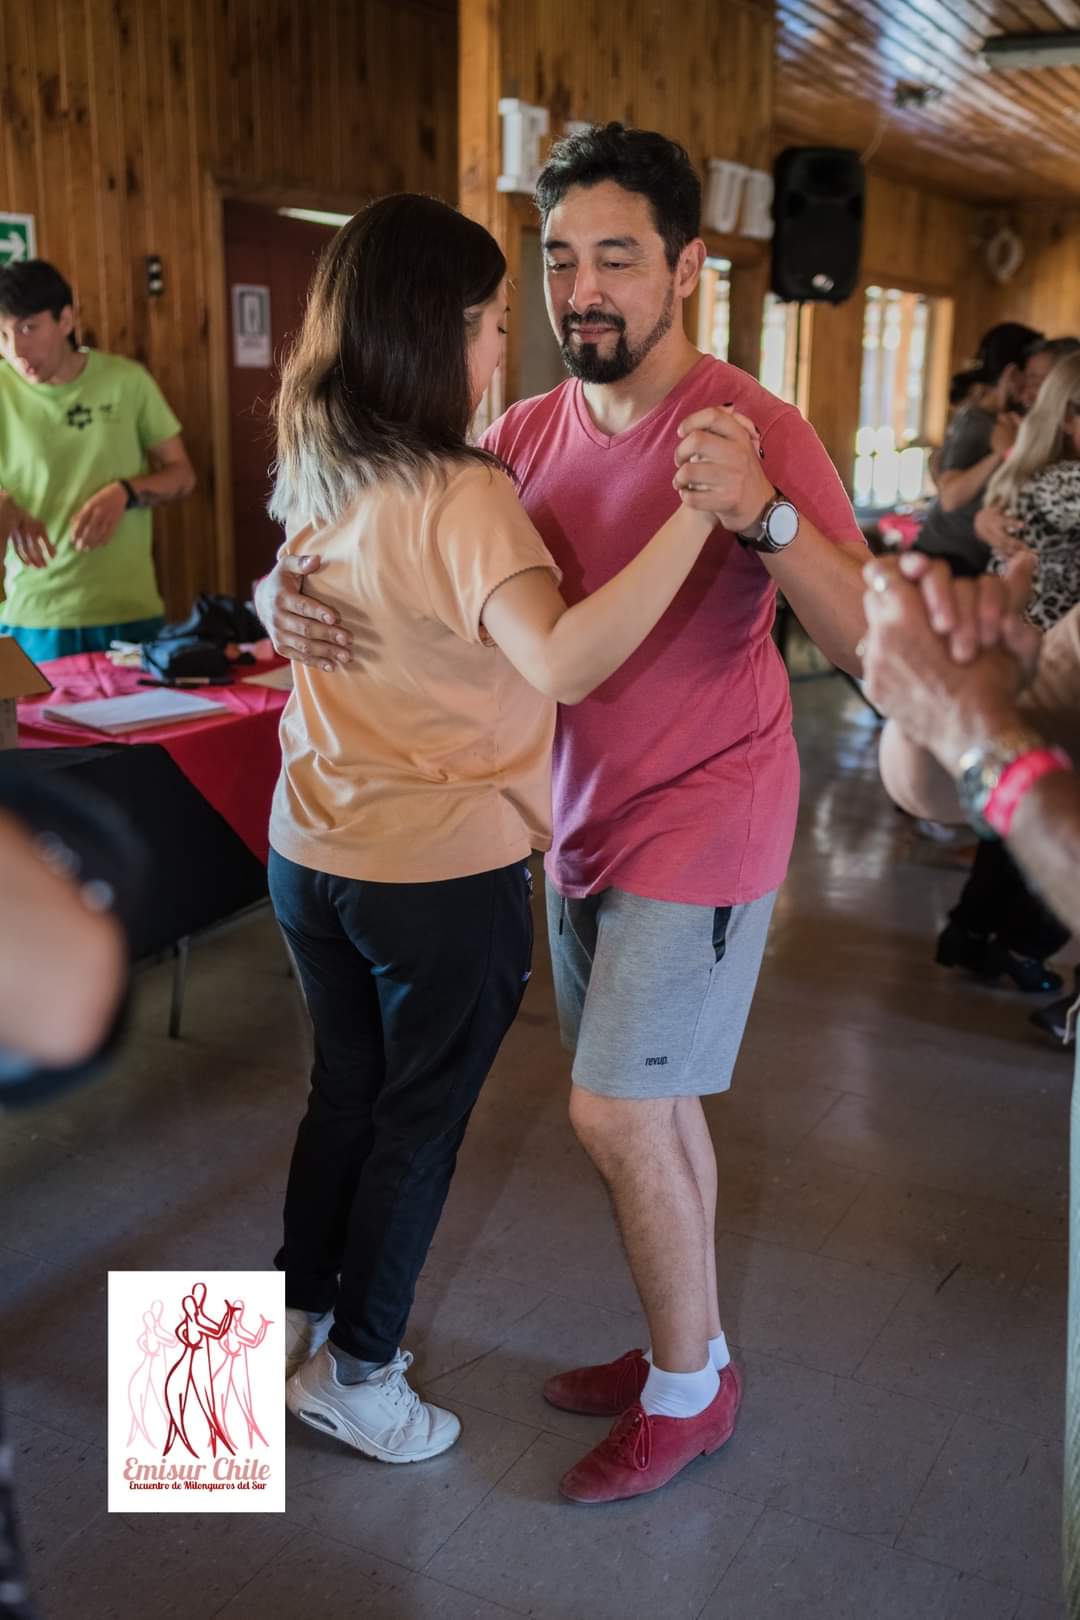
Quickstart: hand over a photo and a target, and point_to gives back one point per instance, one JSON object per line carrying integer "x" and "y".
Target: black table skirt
{"x": 201, "y": 872}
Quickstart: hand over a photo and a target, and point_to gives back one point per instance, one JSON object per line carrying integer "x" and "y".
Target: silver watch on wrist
{"x": 774, "y": 530}
{"x": 981, "y": 768}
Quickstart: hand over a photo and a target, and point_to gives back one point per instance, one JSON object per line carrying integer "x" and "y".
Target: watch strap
{"x": 757, "y": 537}
{"x": 1016, "y": 780}
{"x": 131, "y": 492}
{"x": 757, "y": 531}
{"x": 982, "y": 767}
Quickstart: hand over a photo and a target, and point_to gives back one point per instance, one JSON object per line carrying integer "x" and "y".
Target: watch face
{"x": 782, "y": 524}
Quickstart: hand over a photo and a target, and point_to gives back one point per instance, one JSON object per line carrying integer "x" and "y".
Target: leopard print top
{"x": 1048, "y": 506}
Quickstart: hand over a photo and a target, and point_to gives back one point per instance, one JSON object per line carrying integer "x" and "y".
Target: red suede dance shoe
{"x": 642, "y": 1453}
{"x": 603, "y": 1391}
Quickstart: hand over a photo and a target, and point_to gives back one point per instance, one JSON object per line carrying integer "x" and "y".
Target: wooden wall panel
{"x": 1045, "y": 292}
{"x": 705, "y": 80}
{"x": 113, "y": 113}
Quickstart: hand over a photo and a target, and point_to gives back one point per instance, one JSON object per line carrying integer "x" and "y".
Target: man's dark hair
{"x": 1003, "y": 346}
{"x": 27, "y": 289}
{"x": 1058, "y": 347}
{"x": 638, "y": 160}
{"x": 34, "y": 287}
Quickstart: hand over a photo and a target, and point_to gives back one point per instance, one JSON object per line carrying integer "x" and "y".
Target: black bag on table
{"x": 218, "y": 619}
{"x": 196, "y": 646}
{"x": 173, "y": 658}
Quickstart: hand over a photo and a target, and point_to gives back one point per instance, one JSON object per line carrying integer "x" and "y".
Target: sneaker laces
{"x": 397, "y": 1387}
{"x": 630, "y": 1441}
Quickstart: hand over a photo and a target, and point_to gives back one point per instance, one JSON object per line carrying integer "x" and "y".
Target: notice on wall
{"x": 252, "y": 342}
{"x": 18, "y": 239}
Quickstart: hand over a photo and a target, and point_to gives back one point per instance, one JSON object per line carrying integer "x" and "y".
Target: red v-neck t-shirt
{"x": 677, "y": 779}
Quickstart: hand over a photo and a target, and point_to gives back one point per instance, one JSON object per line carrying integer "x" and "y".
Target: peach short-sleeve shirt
{"x": 429, "y": 757}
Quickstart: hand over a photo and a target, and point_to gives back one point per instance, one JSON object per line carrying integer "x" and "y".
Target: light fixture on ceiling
{"x": 316, "y": 216}
{"x": 1009, "y": 51}
{"x": 916, "y": 95}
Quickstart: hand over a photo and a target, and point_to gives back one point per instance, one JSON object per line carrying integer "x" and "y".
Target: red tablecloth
{"x": 233, "y": 760}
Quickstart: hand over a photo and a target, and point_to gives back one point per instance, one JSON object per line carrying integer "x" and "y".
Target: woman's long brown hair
{"x": 377, "y": 382}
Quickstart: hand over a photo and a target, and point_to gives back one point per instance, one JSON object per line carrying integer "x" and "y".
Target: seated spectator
{"x": 965, "y": 392}
{"x": 1037, "y": 493}
{"x": 978, "y": 440}
{"x": 1039, "y": 362}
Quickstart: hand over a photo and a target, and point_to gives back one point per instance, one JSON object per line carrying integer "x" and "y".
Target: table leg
{"x": 181, "y": 955}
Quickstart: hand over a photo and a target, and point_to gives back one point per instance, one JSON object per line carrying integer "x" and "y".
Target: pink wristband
{"x": 1016, "y": 780}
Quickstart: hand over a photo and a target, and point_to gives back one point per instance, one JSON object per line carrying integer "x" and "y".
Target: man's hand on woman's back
{"x": 301, "y": 627}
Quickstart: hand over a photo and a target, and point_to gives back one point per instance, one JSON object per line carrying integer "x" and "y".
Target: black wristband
{"x": 132, "y": 494}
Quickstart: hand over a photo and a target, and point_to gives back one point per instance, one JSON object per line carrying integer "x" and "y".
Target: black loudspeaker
{"x": 818, "y": 210}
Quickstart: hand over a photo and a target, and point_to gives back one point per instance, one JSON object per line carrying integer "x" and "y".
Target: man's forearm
{"x": 10, "y": 514}
{"x": 958, "y": 486}
{"x": 823, "y": 584}
{"x": 165, "y": 485}
{"x": 1044, "y": 840}
{"x": 1044, "y": 837}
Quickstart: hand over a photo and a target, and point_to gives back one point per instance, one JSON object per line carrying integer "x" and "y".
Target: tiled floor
{"x": 891, "y": 1242}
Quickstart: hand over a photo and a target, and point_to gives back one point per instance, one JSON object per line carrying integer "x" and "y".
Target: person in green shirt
{"x": 975, "y": 699}
{"x": 88, "y": 445}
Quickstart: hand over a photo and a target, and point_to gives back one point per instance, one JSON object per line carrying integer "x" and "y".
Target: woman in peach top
{"x": 415, "y": 784}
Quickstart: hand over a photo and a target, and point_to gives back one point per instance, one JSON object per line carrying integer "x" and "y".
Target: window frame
{"x": 936, "y": 367}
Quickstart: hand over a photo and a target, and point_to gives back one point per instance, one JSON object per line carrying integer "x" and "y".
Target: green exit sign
{"x": 17, "y": 240}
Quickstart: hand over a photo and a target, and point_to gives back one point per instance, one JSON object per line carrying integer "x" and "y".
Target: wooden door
{"x": 263, "y": 249}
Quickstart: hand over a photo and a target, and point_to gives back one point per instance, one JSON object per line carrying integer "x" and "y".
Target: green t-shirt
{"x": 58, "y": 446}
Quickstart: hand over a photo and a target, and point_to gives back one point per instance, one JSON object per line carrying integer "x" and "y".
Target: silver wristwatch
{"x": 980, "y": 769}
{"x": 775, "y": 529}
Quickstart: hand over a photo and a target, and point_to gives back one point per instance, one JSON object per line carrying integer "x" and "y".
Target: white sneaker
{"x": 383, "y": 1417}
{"x": 303, "y": 1337}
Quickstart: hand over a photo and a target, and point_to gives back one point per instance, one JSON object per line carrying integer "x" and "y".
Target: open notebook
{"x": 132, "y": 713}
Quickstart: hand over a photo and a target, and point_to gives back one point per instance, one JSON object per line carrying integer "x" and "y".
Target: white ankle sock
{"x": 719, "y": 1352}
{"x": 351, "y": 1369}
{"x": 679, "y": 1395}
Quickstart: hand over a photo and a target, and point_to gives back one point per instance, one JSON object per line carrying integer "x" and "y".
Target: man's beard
{"x": 586, "y": 362}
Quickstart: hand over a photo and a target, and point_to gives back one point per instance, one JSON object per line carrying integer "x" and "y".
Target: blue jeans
{"x": 41, "y": 645}
{"x": 411, "y": 988}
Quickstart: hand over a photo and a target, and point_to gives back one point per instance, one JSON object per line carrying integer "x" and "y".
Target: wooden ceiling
{"x": 988, "y": 136}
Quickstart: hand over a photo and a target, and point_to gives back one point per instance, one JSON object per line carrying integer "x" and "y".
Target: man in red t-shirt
{"x": 676, "y": 782}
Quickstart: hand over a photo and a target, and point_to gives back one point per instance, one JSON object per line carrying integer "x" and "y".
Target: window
{"x": 778, "y": 370}
{"x": 714, "y": 308}
{"x": 891, "y": 448}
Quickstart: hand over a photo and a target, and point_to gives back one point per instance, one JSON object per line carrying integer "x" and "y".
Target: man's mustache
{"x": 571, "y": 323}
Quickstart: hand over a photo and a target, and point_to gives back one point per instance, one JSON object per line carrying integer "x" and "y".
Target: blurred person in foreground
{"x": 67, "y": 874}
{"x": 985, "y": 725}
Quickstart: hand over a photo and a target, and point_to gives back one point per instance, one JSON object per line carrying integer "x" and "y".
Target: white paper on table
{"x": 137, "y": 709}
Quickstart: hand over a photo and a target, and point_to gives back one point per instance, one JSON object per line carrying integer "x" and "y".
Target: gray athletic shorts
{"x": 653, "y": 996}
